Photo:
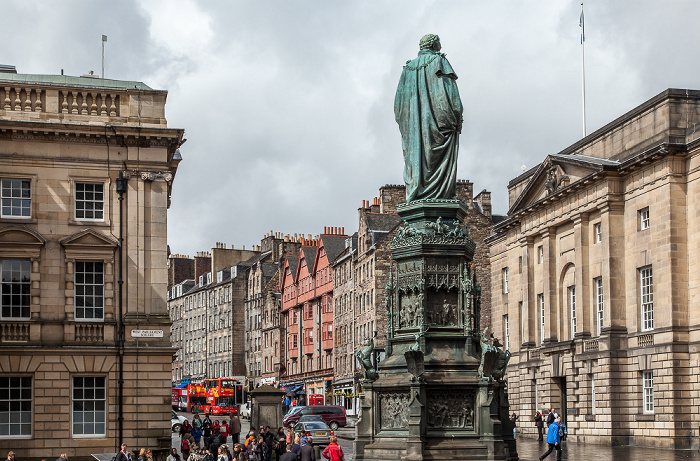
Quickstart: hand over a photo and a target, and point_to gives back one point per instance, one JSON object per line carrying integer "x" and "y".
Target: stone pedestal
{"x": 267, "y": 402}
{"x": 431, "y": 400}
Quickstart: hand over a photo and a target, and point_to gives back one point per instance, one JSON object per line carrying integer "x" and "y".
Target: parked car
{"x": 245, "y": 411}
{"x": 306, "y": 418}
{"x": 177, "y": 421}
{"x": 333, "y": 415}
{"x": 318, "y": 430}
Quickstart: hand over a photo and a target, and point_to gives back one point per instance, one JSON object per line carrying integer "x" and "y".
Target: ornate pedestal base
{"x": 431, "y": 401}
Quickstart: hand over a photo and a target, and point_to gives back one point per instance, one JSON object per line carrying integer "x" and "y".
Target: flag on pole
{"x": 580, "y": 24}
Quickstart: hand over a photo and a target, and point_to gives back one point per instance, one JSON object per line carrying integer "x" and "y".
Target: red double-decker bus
{"x": 222, "y": 396}
{"x": 197, "y": 398}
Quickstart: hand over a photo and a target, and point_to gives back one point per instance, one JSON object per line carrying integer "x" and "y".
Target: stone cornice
{"x": 117, "y": 135}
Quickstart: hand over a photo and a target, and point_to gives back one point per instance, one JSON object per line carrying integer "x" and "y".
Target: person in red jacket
{"x": 333, "y": 451}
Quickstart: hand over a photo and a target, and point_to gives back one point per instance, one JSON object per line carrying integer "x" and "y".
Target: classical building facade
{"x": 64, "y": 142}
{"x": 594, "y": 280}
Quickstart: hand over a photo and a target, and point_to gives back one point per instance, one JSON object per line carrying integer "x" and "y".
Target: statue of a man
{"x": 429, "y": 113}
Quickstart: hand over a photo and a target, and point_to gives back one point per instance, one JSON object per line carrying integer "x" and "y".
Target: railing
{"x": 78, "y": 102}
{"x": 14, "y": 331}
{"x": 25, "y": 99}
{"x": 89, "y": 332}
{"x": 88, "y": 103}
{"x": 645, "y": 340}
{"x": 590, "y": 345}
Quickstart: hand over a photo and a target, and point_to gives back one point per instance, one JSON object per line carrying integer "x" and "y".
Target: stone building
{"x": 264, "y": 334}
{"x": 594, "y": 278}
{"x": 344, "y": 381}
{"x": 307, "y": 313}
{"x": 207, "y": 312}
{"x": 64, "y": 142}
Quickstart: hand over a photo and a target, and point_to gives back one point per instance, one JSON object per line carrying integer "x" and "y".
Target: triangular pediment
{"x": 89, "y": 238}
{"x": 20, "y": 236}
{"x": 557, "y": 173}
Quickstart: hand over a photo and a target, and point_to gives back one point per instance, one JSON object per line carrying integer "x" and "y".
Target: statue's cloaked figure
{"x": 429, "y": 113}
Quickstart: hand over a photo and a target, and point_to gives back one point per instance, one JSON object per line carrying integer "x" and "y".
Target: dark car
{"x": 333, "y": 415}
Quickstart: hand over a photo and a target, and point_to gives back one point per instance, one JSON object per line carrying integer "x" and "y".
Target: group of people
{"x": 204, "y": 435}
{"x": 556, "y": 431}
{"x": 289, "y": 446}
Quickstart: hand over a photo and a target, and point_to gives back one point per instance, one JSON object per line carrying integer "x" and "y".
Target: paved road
{"x": 531, "y": 449}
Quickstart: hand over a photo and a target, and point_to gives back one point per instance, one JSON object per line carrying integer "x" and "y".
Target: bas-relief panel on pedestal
{"x": 451, "y": 409}
{"x": 393, "y": 407}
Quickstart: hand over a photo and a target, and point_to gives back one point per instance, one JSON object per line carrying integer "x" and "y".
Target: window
{"x": 644, "y": 219}
{"x": 646, "y": 284}
{"x": 309, "y": 335}
{"x": 648, "y": 389}
{"x": 327, "y": 331}
{"x": 16, "y": 287}
{"x": 598, "y": 283}
{"x": 522, "y": 321}
{"x": 15, "y": 406}
{"x": 505, "y": 280}
{"x": 89, "y": 290}
{"x": 597, "y": 233}
{"x": 16, "y": 198}
{"x": 540, "y": 254}
{"x": 506, "y": 332}
{"x": 89, "y": 405}
{"x": 89, "y": 201}
{"x": 540, "y": 301}
{"x": 572, "y": 306}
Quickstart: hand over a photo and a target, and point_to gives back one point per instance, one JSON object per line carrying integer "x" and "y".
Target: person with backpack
{"x": 333, "y": 451}
{"x": 553, "y": 439}
{"x": 185, "y": 447}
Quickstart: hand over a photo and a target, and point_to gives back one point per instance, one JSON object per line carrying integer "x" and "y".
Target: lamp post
{"x": 121, "y": 190}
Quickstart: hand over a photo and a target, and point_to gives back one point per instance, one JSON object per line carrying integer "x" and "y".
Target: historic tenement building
{"x": 264, "y": 333}
{"x": 64, "y": 143}
{"x": 207, "y": 312}
{"x": 307, "y": 313}
{"x": 594, "y": 279}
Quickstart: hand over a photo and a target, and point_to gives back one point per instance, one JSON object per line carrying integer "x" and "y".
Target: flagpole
{"x": 583, "y": 70}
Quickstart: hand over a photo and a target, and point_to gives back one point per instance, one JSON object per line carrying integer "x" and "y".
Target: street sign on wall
{"x": 146, "y": 333}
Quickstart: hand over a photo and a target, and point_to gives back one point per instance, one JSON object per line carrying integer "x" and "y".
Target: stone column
{"x": 551, "y": 318}
{"x": 613, "y": 265}
{"x": 583, "y": 283}
{"x": 528, "y": 323}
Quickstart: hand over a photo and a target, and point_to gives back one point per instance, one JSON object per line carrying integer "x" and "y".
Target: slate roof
{"x": 269, "y": 269}
{"x": 334, "y": 245}
{"x": 68, "y": 80}
{"x": 293, "y": 264}
{"x": 382, "y": 221}
{"x": 310, "y": 256}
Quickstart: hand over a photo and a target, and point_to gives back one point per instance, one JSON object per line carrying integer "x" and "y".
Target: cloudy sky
{"x": 288, "y": 105}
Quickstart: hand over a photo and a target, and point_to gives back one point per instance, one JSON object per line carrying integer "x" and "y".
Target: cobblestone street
{"x": 531, "y": 449}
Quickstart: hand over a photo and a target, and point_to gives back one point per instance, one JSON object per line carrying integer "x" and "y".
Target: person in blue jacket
{"x": 553, "y": 439}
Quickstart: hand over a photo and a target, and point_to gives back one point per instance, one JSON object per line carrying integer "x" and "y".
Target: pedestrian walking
{"x": 550, "y": 418}
{"x": 222, "y": 454}
{"x": 234, "y": 426}
{"x": 196, "y": 422}
{"x": 307, "y": 451}
{"x": 123, "y": 455}
{"x": 238, "y": 453}
{"x": 62, "y": 457}
{"x": 538, "y": 424}
{"x": 297, "y": 445}
{"x": 513, "y": 419}
{"x": 333, "y": 451}
{"x": 142, "y": 454}
{"x": 553, "y": 439}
